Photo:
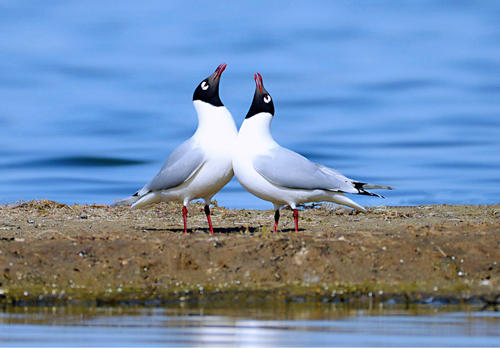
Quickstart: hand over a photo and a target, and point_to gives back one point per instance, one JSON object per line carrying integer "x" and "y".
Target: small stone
{"x": 401, "y": 261}
{"x": 460, "y": 273}
{"x": 31, "y": 221}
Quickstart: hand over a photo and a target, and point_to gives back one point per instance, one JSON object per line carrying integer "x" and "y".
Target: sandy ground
{"x": 51, "y": 252}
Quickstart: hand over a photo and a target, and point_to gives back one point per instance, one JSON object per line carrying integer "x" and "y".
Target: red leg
{"x": 276, "y": 219}
{"x": 184, "y": 216}
{"x": 207, "y": 213}
{"x": 296, "y": 218}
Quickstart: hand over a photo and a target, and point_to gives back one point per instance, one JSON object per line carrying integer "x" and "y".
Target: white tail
{"x": 126, "y": 201}
{"x": 341, "y": 199}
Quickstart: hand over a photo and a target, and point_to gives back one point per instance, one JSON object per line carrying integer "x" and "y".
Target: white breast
{"x": 254, "y": 138}
{"x": 216, "y": 134}
{"x": 216, "y": 130}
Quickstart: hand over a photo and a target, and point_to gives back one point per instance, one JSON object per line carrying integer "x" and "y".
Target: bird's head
{"x": 208, "y": 90}
{"x": 262, "y": 101}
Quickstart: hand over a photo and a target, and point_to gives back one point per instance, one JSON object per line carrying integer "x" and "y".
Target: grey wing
{"x": 182, "y": 163}
{"x": 286, "y": 168}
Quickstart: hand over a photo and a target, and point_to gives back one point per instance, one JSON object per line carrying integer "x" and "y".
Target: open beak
{"x": 258, "y": 82}
{"x": 219, "y": 70}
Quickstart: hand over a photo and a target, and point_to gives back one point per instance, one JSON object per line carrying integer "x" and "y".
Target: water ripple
{"x": 342, "y": 102}
{"x": 403, "y": 85}
{"x": 80, "y": 71}
{"x": 76, "y": 161}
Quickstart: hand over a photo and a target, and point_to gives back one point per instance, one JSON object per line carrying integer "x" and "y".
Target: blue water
{"x": 94, "y": 95}
{"x": 312, "y": 326}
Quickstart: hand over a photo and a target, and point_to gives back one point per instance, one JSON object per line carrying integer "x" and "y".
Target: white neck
{"x": 256, "y": 131}
{"x": 213, "y": 119}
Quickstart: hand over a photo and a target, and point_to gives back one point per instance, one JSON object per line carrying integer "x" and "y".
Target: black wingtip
{"x": 359, "y": 186}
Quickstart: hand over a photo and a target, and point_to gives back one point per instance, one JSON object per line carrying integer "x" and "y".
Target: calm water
{"x": 279, "y": 325}
{"x": 95, "y": 95}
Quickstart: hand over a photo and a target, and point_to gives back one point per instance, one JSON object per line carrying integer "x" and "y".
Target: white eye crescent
{"x": 204, "y": 85}
{"x": 267, "y": 98}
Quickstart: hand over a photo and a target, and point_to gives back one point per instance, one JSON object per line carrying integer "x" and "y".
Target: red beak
{"x": 219, "y": 70}
{"x": 258, "y": 81}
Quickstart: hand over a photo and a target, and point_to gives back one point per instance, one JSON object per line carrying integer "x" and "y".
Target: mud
{"x": 51, "y": 252}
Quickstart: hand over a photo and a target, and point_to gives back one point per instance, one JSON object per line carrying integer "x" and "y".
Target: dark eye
{"x": 204, "y": 85}
{"x": 267, "y": 99}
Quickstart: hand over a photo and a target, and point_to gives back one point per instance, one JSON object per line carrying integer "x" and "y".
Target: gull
{"x": 281, "y": 176}
{"x": 201, "y": 166}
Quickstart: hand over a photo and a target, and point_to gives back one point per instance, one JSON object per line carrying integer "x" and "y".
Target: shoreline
{"x": 52, "y": 253}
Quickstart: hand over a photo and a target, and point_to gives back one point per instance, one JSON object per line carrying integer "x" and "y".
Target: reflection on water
{"x": 268, "y": 324}
{"x": 95, "y": 97}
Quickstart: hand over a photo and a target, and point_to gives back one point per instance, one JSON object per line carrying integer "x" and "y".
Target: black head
{"x": 208, "y": 89}
{"x": 262, "y": 101}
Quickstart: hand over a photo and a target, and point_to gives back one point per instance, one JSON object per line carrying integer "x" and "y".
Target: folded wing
{"x": 286, "y": 168}
{"x": 180, "y": 166}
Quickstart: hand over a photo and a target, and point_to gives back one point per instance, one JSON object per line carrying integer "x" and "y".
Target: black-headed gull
{"x": 200, "y": 166}
{"x": 281, "y": 176}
